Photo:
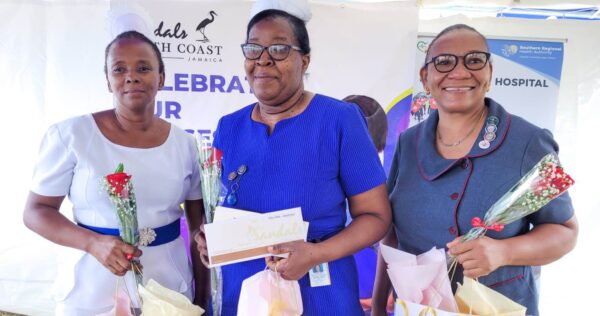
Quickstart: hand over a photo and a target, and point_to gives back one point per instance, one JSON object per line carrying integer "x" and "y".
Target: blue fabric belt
{"x": 164, "y": 234}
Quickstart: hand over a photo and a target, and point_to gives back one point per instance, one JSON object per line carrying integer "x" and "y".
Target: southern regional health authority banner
{"x": 525, "y": 80}
{"x": 357, "y": 48}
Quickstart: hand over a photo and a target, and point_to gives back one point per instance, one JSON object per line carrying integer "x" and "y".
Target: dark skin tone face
{"x": 133, "y": 75}
{"x": 275, "y": 82}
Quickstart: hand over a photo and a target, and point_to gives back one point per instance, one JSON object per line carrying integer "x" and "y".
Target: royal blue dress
{"x": 314, "y": 160}
{"x": 434, "y": 199}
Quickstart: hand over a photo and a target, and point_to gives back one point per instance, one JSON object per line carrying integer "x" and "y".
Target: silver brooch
{"x": 147, "y": 236}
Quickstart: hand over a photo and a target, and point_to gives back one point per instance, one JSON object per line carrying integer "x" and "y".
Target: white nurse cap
{"x": 297, "y": 8}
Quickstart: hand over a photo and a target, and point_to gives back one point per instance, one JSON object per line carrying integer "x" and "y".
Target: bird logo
{"x": 203, "y": 24}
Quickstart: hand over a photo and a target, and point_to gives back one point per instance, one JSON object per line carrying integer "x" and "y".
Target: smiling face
{"x": 460, "y": 90}
{"x": 275, "y": 82}
{"x": 133, "y": 74}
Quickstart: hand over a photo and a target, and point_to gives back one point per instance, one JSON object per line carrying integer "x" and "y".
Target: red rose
{"x": 215, "y": 156}
{"x": 561, "y": 179}
{"x": 554, "y": 176}
{"x": 117, "y": 181}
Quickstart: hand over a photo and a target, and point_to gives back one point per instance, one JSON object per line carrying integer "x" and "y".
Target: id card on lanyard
{"x": 319, "y": 275}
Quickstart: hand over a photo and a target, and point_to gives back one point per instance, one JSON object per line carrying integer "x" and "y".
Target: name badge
{"x": 319, "y": 275}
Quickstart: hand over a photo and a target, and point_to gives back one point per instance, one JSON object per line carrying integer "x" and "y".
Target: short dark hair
{"x": 451, "y": 28}
{"x": 138, "y": 36}
{"x": 298, "y": 26}
{"x": 376, "y": 119}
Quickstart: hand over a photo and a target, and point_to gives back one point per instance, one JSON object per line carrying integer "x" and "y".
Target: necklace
{"x": 439, "y": 136}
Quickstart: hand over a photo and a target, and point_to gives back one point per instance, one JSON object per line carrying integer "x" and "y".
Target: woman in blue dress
{"x": 299, "y": 149}
{"x": 453, "y": 166}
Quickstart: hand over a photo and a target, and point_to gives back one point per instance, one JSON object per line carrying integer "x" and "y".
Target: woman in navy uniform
{"x": 457, "y": 163}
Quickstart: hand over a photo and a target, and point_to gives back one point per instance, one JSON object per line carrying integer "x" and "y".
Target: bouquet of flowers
{"x": 121, "y": 195}
{"x": 210, "y": 174}
{"x": 544, "y": 182}
{"x": 120, "y": 192}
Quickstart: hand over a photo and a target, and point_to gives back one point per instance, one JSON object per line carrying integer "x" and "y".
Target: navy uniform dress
{"x": 314, "y": 160}
{"x": 434, "y": 199}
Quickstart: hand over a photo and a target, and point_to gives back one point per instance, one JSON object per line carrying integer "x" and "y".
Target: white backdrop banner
{"x": 356, "y": 49}
{"x": 51, "y": 68}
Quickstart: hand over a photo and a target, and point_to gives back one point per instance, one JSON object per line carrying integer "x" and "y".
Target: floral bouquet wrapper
{"x": 421, "y": 279}
{"x": 212, "y": 196}
{"x": 121, "y": 195}
{"x": 544, "y": 182}
{"x": 210, "y": 174}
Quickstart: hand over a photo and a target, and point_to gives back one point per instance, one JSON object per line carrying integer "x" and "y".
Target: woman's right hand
{"x": 200, "y": 239}
{"x": 113, "y": 253}
{"x": 42, "y": 215}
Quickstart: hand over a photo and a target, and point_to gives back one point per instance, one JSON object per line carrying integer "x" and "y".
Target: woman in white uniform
{"x": 74, "y": 157}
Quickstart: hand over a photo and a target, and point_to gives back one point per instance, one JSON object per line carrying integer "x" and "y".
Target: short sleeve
{"x": 217, "y": 141}
{"x": 195, "y": 192}
{"x": 53, "y": 171}
{"x": 360, "y": 167}
{"x": 560, "y": 209}
{"x": 393, "y": 175}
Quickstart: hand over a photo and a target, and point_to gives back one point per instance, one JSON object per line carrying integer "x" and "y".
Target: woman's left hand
{"x": 478, "y": 257}
{"x": 301, "y": 258}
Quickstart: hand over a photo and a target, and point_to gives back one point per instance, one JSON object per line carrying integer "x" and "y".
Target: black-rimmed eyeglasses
{"x": 277, "y": 52}
{"x": 447, "y": 62}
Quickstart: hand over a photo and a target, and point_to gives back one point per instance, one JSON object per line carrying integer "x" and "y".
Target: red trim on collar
{"x": 515, "y": 278}
{"x": 419, "y": 166}
{"x": 462, "y": 193}
{"x": 486, "y": 152}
